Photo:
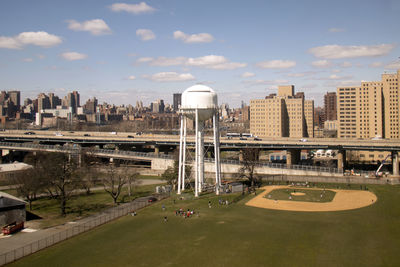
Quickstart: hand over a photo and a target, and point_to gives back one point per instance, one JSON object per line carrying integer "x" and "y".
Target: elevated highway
{"x": 165, "y": 142}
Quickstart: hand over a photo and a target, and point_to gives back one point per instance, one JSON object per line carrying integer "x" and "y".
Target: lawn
{"x": 309, "y": 195}
{"x": 80, "y": 205}
{"x": 237, "y": 235}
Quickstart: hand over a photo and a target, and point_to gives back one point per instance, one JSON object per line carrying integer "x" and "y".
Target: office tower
{"x": 91, "y": 105}
{"x": 177, "y": 101}
{"x": 319, "y": 115}
{"x": 73, "y": 99}
{"x": 330, "y": 106}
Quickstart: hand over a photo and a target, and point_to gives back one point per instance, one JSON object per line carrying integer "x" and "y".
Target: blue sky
{"x": 124, "y": 51}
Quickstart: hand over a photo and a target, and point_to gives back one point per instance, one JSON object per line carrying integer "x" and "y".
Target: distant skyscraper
{"x": 177, "y": 101}
{"x": 43, "y": 102}
{"x": 330, "y": 106}
{"x": 15, "y": 97}
{"x": 73, "y": 101}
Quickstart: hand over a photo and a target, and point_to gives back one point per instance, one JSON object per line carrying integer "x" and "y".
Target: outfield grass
{"x": 238, "y": 235}
{"x": 310, "y": 195}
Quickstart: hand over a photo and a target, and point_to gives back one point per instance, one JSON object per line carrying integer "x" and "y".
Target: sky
{"x": 124, "y": 51}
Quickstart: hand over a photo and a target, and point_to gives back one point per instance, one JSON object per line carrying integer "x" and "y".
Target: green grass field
{"x": 238, "y": 235}
{"x": 310, "y": 195}
{"x": 81, "y": 205}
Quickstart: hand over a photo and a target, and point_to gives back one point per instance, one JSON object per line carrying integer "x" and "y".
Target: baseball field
{"x": 240, "y": 234}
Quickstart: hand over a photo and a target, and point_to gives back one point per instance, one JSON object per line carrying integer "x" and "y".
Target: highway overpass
{"x": 293, "y": 146}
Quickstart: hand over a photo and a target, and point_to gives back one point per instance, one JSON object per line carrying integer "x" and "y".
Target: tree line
{"x": 61, "y": 175}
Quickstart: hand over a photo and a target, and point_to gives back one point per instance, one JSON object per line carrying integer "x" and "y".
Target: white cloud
{"x": 301, "y": 74}
{"x": 28, "y": 59}
{"x": 335, "y": 77}
{"x": 131, "y": 77}
{"x": 346, "y": 64}
{"x": 209, "y": 62}
{"x": 375, "y": 65}
{"x": 193, "y": 38}
{"x": 41, "y": 56}
{"x": 144, "y": 59}
{"x": 40, "y": 38}
{"x": 71, "y": 56}
{"x": 336, "y": 30}
{"x": 393, "y": 65}
{"x": 276, "y": 64}
{"x": 9, "y": 42}
{"x": 266, "y": 82}
{"x": 336, "y": 71}
{"x": 339, "y": 51}
{"x": 165, "y": 61}
{"x": 171, "y": 77}
{"x": 95, "y": 26}
{"x": 145, "y": 34}
{"x": 248, "y": 74}
{"x": 321, "y": 63}
{"x": 136, "y": 9}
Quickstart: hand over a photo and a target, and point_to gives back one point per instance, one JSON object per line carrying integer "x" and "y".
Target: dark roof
{"x": 7, "y": 203}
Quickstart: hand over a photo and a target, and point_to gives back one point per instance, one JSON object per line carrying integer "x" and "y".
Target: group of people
{"x": 185, "y": 214}
{"x": 223, "y": 202}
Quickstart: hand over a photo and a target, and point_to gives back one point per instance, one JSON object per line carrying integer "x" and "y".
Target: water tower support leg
{"x": 216, "y": 154}
{"x": 184, "y": 155}
{"x": 196, "y": 192}
{"x": 180, "y": 157}
{"x": 201, "y": 157}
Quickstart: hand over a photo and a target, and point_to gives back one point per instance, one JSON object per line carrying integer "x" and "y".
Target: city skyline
{"x": 121, "y": 52}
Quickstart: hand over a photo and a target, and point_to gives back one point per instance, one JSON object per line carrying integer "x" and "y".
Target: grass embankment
{"x": 238, "y": 235}
{"x": 80, "y": 205}
{"x": 294, "y": 194}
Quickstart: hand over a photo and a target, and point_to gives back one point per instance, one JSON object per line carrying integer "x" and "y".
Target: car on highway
{"x": 257, "y": 139}
{"x": 303, "y": 140}
{"x": 59, "y": 134}
{"x": 29, "y": 133}
{"x": 242, "y": 138}
{"x": 86, "y": 135}
{"x": 130, "y": 136}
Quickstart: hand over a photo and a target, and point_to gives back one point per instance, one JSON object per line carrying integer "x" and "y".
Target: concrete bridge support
{"x": 341, "y": 159}
{"x": 292, "y": 156}
{"x": 156, "y": 150}
{"x": 395, "y": 163}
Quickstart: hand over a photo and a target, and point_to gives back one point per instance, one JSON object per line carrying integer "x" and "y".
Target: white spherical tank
{"x": 199, "y": 97}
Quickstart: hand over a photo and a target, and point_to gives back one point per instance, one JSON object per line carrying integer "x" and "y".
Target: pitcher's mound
{"x": 343, "y": 200}
{"x": 298, "y": 194}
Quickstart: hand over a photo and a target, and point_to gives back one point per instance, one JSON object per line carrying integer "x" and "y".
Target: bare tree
{"x": 28, "y": 184}
{"x": 249, "y": 163}
{"x": 113, "y": 182}
{"x": 133, "y": 181}
{"x": 88, "y": 170}
{"x": 58, "y": 173}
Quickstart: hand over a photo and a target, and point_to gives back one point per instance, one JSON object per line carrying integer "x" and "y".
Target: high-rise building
{"x": 391, "y": 107}
{"x": 319, "y": 115}
{"x": 91, "y": 105}
{"x": 282, "y": 115}
{"x": 330, "y": 106}
{"x": 73, "y": 99}
{"x": 177, "y": 101}
{"x": 43, "y": 102}
{"x": 15, "y": 97}
{"x": 370, "y": 110}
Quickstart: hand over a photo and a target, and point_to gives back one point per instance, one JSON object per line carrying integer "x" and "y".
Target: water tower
{"x": 200, "y": 104}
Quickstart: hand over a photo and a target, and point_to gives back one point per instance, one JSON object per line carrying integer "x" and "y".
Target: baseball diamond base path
{"x": 343, "y": 200}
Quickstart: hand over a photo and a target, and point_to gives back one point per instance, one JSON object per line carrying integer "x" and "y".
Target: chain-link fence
{"x": 76, "y": 228}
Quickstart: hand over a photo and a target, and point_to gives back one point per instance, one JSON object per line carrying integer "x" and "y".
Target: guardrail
{"x": 75, "y": 229}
